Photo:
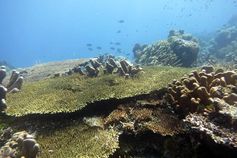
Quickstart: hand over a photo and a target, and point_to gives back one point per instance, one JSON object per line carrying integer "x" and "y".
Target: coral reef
{"x": 14, "y": 85}
{"x": 109, "y": 64}
{"x": 233, "y": 21}
{"x": 224, "y": 44}
{"x": 215, "y": 132}
{"x": 222, "y": 47}
{"x": 8, "y": 66}
{"x": 20, "y": 144}
{"x": 77, "y": 140}
{"x": 129, "y": 117}
{"x": 144, "y": 116}
{"x": 197, "y": 91}
{"x": 179, "y": 49}
{"x": 74, "y": 92}
{"x": 3, "y": 92}
{"x": 208, "y": 102}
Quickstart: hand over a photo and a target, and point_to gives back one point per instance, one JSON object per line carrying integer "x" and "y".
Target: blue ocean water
{"x": 37, "y": 31}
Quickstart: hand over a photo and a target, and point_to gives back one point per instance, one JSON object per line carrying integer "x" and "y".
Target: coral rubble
{"x": 179, "y": 49}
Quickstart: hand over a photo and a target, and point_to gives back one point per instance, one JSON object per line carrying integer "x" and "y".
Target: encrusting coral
{"x": 143, "y": 116}
{"x": 20, "y": 144}
{"x": 179, "y": 49}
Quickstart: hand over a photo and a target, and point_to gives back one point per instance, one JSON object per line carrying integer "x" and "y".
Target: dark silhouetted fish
{"x": 119, "y": 50}
{"x": 117, "y": 43}
{"x": 119, "y": 31}
{"x": 111, "y": 43}
{"x": 99, "y": 48}
{"x": 121, "y": 21}
{"x": 90, "y": 49}
{"x": 88, "y": 44}
{"x": 112, "y": 48}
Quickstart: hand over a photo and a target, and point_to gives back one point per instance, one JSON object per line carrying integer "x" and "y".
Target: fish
{"x": 121, "y": 21}
{"x": 112, "y": 48}
{"x": 88, "y": 44}
{"x": 99, "y": 48}
{"x": 117, "y": 43}
{"x": 90, "y": 49}
{"x": 119, "y": 50}
{"x": 111, "y": 43}
{"x": 119, "y": 31}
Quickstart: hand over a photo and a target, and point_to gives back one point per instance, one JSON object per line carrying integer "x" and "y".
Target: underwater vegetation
{"x": 180, "y": 49}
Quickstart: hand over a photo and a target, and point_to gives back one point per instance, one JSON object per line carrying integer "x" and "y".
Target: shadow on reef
{"x": 151, "y": 145}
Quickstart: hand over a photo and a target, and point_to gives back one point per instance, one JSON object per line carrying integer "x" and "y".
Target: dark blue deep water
{"x": 37, "y": 31}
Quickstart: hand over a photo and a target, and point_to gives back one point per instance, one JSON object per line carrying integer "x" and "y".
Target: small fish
{"x": 90, "y": 49}
{"x": 127, "y": 54}
{"x": 99, "y": 48}
{"x": 117, "y": 43}
{"x": 112, "y": 48}
{"x": 119, "y": 50}
{"x": 121, "y": 21}
{"x": 88, "y": 44}
{"x": 111, "y": 43}
{"x": 119, "y": 31}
